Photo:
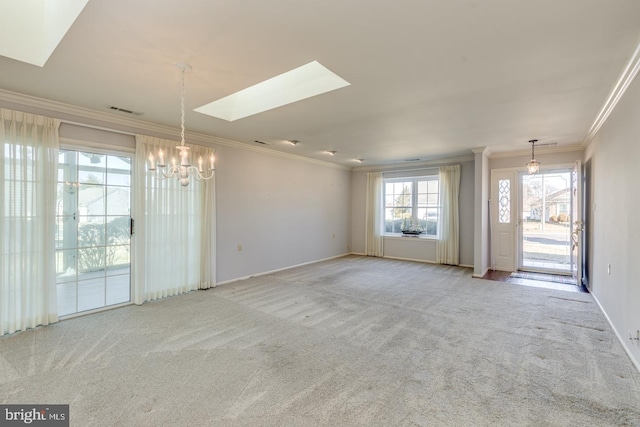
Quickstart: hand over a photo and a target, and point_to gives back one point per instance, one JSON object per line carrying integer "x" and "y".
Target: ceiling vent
{"x": 124, "y": 110}
{"x": 411, "y": 160}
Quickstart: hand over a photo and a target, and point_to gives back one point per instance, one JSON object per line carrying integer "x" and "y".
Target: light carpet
{"x": 355, "y": 341}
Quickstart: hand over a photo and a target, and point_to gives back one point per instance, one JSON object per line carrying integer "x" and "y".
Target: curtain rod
{"x": 106, "y": 129}
{"x": 411, "y": 170}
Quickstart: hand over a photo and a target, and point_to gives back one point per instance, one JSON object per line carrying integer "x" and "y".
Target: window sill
{"x": 411, "y": 238}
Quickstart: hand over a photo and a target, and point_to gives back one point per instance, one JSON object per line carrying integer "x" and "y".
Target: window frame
{"x": 414, "y": 203}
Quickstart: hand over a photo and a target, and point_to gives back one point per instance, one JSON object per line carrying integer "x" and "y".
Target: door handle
{"x": 578, "y": 228}
{"x": 131, "y": 224}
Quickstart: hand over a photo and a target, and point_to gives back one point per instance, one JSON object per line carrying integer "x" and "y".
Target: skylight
{"x": 31, "y": 30}
{"x": 300, "y": 83}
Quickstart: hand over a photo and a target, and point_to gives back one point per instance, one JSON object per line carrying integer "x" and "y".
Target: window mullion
{"x": 414, "y": 199}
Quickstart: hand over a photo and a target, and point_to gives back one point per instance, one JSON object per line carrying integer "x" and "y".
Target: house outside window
{"x": 414, "y": 201}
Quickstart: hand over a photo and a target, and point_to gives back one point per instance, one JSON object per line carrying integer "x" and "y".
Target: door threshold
{"x": 545, "y": 271}
{"x": 540, "y": 282}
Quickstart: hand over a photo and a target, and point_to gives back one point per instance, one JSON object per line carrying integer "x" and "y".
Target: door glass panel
{"x": 119, "y": 171}
{"x": 504, "y": 201}
{"x": 67, "y": 298}
{"x": 117, "y": 259}
{"x": 93, "y": 263}
{"x": 118, "y": 200}
{"x": 91, "y": 176}
{"x": 118, "y": 230}
{"x": 91, "y": 231}
{"x": 118, "y": 289}
{"x": 91, "y": 200}
{"x": 546, "y": 203}
{"x": 92, "y": 168}
{"x": 66, "y": 232}
{"x": 91, "y": 294}
{"x": 66, "y": 265}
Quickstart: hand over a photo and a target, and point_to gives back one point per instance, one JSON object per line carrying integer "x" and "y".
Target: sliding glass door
{"x": 93, "y": 231}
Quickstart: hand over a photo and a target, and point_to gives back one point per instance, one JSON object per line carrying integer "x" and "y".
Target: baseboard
{"x": 635, "y": 362}
{"x": 410, "y": 259}
{"x": 264, "y": 273}
{"x": 422, "y": 260}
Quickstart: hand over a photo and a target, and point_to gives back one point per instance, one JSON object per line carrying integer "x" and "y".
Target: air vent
{"x": 411, "y": 160}
{"x": 124, "y": 110}
{"x": 261, "y": 142}
{"x": 546, "y": 144}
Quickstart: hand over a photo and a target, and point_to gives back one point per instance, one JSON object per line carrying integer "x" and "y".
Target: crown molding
{"x": 482, "y": 150}
{"x": 624, "y": 81}
{"x": 539, "y": 150}
{"x": 413, "y": 165}
{"x": 86, "y": 117}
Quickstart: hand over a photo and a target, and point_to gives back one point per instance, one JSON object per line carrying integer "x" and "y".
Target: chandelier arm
{"x": 198, "y": 175}
{"x": 171, "y": 171}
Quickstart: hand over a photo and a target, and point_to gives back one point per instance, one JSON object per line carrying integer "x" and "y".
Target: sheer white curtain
{"x": 27, "y": 225}
{"x": 373, "y": 241}
{"x": 449, "y": 240}
{"x": 175, "y": 227}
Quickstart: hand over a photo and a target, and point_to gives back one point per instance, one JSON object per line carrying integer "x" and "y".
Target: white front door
{"x": 504, "y": 220}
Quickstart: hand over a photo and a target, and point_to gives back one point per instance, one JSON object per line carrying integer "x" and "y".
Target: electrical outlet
{"x": 608, "y": 268}
{"x": 333, "y": 236}
{"x": 239, "y": 247}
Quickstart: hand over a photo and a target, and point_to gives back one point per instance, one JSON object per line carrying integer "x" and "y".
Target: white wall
{"x": 481, "y": 212}
{"x": 614, "y": 213}
{"x": 411, "y": 248}
{"x": 282, "y": 211}
{"x": 358, "y": 211}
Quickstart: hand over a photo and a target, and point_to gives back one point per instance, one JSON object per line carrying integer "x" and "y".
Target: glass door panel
{"x": 92, "y": 231}
{"x": 546, "y": 220}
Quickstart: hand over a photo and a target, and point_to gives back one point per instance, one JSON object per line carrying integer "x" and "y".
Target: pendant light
{"x": 533, "y": 166}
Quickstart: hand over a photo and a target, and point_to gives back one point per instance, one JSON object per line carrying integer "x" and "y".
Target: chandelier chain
{"x": 182, "y": 107}
{"x": 532, "y": 152}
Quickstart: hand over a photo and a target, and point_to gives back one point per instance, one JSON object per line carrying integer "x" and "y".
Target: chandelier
{"x": 533, "y": 166}
{"x": 184, "y": 170}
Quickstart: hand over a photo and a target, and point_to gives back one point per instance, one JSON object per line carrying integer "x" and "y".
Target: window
{"x": 504, "y": 197}
{"x": 411, "y": 201}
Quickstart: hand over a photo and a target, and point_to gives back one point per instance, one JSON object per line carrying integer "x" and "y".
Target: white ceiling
{"x": 429, "y": 78}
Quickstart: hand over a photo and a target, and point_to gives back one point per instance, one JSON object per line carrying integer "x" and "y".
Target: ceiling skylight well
{"x": 31, "y": 30}
{"x": 303, "y": 82}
